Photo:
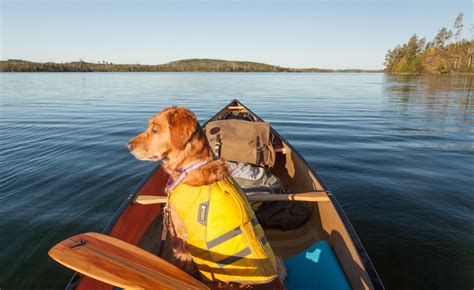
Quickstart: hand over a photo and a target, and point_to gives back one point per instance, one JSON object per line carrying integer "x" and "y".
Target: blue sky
{"x": 324, "y": 34}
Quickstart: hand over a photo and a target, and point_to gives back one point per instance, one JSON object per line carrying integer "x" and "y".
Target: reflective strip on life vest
{"x": 254, "y": 222}
{"x": 223, "y": 238}
{"x": 234, "y": 258}
{"x": 229, "y": 235}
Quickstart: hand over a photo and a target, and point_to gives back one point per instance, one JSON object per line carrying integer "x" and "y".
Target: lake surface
{"x": 397, "y": 151}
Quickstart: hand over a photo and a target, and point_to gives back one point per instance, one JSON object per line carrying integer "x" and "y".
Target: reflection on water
{"x": 430, "y": 83}
{"x": 433, "y": 105}
{"x": 432, "y": 90}
{"x": 397, "y": 151}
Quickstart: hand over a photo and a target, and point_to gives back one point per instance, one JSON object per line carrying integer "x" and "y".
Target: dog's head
{"x": 168, "y": 131}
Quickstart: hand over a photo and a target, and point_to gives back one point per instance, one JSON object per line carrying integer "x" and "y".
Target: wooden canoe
{"x": 140, "y": 225}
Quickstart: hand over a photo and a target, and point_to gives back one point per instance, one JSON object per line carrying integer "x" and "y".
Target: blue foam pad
{"x": 315, "y": 268}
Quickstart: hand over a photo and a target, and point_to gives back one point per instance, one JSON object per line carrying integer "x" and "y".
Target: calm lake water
{"x": 397, "y": 151}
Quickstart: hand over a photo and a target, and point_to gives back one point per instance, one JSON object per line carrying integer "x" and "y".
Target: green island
{"x": 439, "y": 56}
{"x": 186, "y": 65}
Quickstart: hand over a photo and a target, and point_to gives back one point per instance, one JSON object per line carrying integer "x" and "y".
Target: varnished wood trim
{"x": 305, "y": 196}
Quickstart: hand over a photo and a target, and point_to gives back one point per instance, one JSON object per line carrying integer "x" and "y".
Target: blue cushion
{"x": 315, "y": 268}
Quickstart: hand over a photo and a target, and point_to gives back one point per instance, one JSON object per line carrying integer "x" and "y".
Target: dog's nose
{"x": 129, "y": 146}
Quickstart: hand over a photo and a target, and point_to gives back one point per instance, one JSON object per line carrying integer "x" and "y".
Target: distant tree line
{"x": 447, "y": 52}
{"x": 187, "y": 65}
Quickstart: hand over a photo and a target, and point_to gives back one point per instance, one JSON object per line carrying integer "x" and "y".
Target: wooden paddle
{"x": 120, "y": 264}
{"x": 313, "y": 196}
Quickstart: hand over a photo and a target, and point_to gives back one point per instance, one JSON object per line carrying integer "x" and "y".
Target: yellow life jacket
{"x": 223, "y": 235}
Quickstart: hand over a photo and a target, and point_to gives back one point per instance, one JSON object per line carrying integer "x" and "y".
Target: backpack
{"x": 226, "y": 136}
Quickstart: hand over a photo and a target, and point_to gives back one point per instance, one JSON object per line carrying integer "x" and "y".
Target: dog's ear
{"x": 182, "y": 124}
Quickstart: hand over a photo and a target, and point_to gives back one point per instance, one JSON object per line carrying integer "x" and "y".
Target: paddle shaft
{"x": 313, "y": 196}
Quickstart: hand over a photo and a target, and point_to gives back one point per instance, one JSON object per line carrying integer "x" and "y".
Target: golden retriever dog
{"x": 175, "y": 137}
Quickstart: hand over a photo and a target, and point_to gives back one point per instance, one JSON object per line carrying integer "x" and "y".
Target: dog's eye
{"x": 154, "y": 130}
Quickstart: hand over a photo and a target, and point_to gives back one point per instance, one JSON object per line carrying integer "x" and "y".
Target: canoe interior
{"x": 141, "y": 224}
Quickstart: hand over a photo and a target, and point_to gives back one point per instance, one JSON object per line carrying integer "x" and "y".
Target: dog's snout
{"x": 129, "y": 146}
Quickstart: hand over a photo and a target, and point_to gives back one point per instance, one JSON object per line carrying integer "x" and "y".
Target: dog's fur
{"x": 175, "y": 137}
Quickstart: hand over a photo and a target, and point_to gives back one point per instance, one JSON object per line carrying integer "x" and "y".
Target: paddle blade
{"x": 118, "y": 263}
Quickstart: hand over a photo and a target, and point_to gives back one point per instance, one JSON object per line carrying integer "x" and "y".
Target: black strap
{"x": 259, "y": 151}
{"x": 217, "y": 146}
{"x": 164, "y": 230}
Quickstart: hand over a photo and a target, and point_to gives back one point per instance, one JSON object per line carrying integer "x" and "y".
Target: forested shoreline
{"x": 187, "y": 65}
{"x": 448, "y": 52}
